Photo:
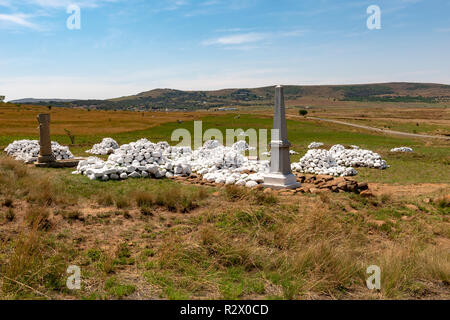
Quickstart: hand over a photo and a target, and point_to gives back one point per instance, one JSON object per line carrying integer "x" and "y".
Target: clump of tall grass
{"x": 18, "y": 168}
{"x": 235, "y": 193}
{"x": 32, "y": 269}
{"x": 172, "y": 198}
{"x": 38, "y": 218}
{"x": 105, "y": 199}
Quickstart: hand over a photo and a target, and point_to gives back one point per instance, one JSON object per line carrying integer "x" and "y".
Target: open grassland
{"x": 430, "y": 120}
{"x": 147, "y": 239}
{"x": 429, "y": 164}
{"x": 21, "y": 120}
{"x": 152, "y": 239}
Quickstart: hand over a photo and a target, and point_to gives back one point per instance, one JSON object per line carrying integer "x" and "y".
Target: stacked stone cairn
{"x": 107, "y": 146}
{"x": 338, "y": 161}
{"x": 28, "y": 151}
{"x": 144, "y": 159}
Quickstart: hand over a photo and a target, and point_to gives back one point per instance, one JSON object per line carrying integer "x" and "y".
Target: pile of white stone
{"x": 140, "y": 159}
{"x": 144, "y": 159}
{"x": 357, "y": 157}
{"x": 314, "y": 145}
{"x": 220, "y": 164}
{"x": 107, "y": 146}
{"x": 338, "y": 161}
{"x": 28, "y": 151}
{"x": 402, "y": 149}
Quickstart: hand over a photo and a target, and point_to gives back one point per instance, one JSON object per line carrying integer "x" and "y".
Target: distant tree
{"x": 70, "y": 135}
{"x": 302, "y": 112}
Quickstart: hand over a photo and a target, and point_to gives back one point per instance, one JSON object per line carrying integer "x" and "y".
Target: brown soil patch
{"x": 408, "y": 190}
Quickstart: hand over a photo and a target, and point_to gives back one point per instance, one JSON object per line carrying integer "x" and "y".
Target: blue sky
{"x": 128, "y": 46}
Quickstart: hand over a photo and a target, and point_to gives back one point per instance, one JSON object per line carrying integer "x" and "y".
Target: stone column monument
{"x": 280, "y": 176}
{"x": 46, "y": 154}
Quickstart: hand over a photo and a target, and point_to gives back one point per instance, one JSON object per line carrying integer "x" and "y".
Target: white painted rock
{"x": 402, "y": 149}
{"x": 314, "y": 145}
{"x": 251, "y": 184}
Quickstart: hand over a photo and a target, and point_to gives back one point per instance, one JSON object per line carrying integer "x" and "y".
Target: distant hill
{"x": 34, "y": 101}
{"x": 192, "y": 100}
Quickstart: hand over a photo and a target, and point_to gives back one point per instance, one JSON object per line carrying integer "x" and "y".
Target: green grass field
{"x": 429, "y": 164}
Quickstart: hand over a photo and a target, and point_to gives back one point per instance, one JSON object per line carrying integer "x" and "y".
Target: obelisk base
{"x": 46, "y": 159}
{"x": 280, "y": 181}
{"x": 69, "y": 163}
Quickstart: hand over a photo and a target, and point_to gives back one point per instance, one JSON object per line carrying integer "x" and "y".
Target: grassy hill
{"x": 193, "y": 100}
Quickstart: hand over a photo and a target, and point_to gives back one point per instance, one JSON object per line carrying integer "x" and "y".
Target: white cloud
{"x": 171, "y": 5}
{"x": 17, "y": 20}
{"x": 38, "y": 8}
{"x": 237, "y": 39}
{"x": 65, "y": 3}
{"x": 251, "y": 37}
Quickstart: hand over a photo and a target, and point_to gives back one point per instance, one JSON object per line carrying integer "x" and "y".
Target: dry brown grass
{"x": 231, "y": 244}
{"x": 22, "y": 120}
{"x": 172, "y": 198}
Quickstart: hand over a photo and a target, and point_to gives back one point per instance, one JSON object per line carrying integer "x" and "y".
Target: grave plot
{"x": 144, "y": 159}
{"x": 28, "y": 151}
{"x": 338, "y": 161}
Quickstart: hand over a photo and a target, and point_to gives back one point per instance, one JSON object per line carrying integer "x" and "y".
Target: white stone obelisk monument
{"x": 280, "y": 176}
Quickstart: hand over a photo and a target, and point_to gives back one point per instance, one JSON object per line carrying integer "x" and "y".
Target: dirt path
{"x": 398, "y": 133}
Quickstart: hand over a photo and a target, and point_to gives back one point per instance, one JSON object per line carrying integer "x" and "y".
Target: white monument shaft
{"x": 280, "y": 176}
